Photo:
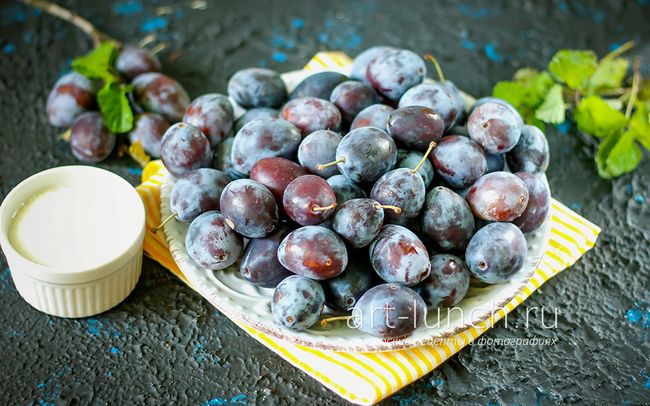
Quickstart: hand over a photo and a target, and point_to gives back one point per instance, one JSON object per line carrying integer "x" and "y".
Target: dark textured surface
{"x": 166, "y": 344}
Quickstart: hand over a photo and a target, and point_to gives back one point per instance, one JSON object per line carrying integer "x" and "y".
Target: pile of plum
{"x": 376, "y": 194}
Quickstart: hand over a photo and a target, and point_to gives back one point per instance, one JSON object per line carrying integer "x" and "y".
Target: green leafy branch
{"x": 112, "y": 98}
{"x": 594, "y": 92}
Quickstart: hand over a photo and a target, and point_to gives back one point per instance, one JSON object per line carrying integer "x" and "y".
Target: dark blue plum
{"x": 495, "y": 163}
{"x": 72, "y": 95}
{"x": 531, "y": 152}
{"x": 90, "y": 140}
{"x": 260, "y": 264}
{"x": 484, "y": 100}
{"x": 345, "y": 189}
{"x": 342, "y": 292}
{"x": 309, "y": 200}
{"x": 459, "y": 161}
{"x": 361, "y": 61}
{"x": 410, "y": 159}
{"x": 148, "y": 129}
{"x": 447, "y": 284}
{"x": 314, "y": 252}
{"x": 495, "y": 127}
{"x": 351, "y": 97}
{"x": 257, "y": 87}
{"x": 134, "y": 60}
{"x": 297, "y": 303}
{"x": 447, "y": 219}
{"x": 197, "y": 192}
{"x": 358, "y": 221}
{"x": 276, "y": 174}
{"x": 415, "y": 127}
{"x": 458, "y": 97}
{"x": 213, "y": 115}
{"x": 398, "y": 256}
{"x": 317, "y": 148}
{"x": 434, "y": 96}
{"x": 185, "y": 148}
{"x": 498, "y": 196}
{"x": 264, "y": 137}
{"x": 222, "y": 159}
{"x": 400, "y": 188}
{"x": 393, "y": 72}
{"x": 252, "y": 114}
{"x": 319, "y": 85}
{"x": 310, "y": 114}
{"x": 249, "y": 208}
{"x": 160, "y": 94}
{"x": 365, "y": 154}
{"x": 539, "y": 203}
{"x": 389, "y": 310}
{"x": 211, "y": 243}
{"x": 372, "y": 116}
{"x": 496, "y": 252}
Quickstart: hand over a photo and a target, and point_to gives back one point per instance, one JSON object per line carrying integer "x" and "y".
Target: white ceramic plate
{"x": 246, "y": 303}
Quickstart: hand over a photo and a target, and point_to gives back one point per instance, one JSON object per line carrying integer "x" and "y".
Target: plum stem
{"x": 165, "y": 221}
{"x": 73, "y": 18}
{"x": 323, "y": 208}
{"x": 230, "y": 223}
{"x": 396, "y": 209}
{"x": 320, "y": 167}
{"x": 324, "y": 322}
{"x": 434, "y": 61}
{"x": 432, "y": 145}
{"x": 618, "y": 51}
{"x": 636, "y": 80}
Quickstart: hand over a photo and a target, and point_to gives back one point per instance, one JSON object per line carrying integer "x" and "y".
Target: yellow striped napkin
{"x": 367, "y": 378}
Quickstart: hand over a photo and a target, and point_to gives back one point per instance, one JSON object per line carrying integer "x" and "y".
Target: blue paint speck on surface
{"x": 239, "y": 399}
{"x": 647, "y": 382}
{"x": 629, "y": 188}
{"x": 639, "y": 198}
{"x": 467, "y": 43}
{"x": 491, "y": 52}
{"x": 279, "y": 57}
{"x": 438, "y": 382}
{"x": 127, "y": 7}
{"x": 134, "y": 171}
{"x": 323, "y": 37}
{"x": 153, "y": 24}
{"x": 329, "y": 23}
{"x": 468, "y": 11}
{"x": 639, "y": 314}
{"x": 633, "y": 316}
{"x": 9, "y": 48}
{"x": 644, "y": 2}
{"x": 298, "y": 23}
{"x": 576, "y": 206}
{"x": 41, "y": 385}
{"x": 563, "y": 6}
{"x": 180, "y": 13}
{"x": 564, "y": 127}
{"x": 115, "y": 350}
{"x": 109, "y": 373}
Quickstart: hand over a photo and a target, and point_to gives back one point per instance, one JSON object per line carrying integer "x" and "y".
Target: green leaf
{"x": 552, "y": 109}
{"x": 114, "y": 105}
{"x": 512, "y": 92}
{"x": 98, "y": 64}
{"x": 537, "y": 85}
{"x": 609, "y": 74}
{"x": 573, "y": 67}
{"x": 617, "y": 154}
{"x": 640, "y": 124}
{"x": 594, "y": 116}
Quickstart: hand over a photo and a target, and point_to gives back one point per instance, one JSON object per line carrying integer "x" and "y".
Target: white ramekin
{"x": 76, "y": 292}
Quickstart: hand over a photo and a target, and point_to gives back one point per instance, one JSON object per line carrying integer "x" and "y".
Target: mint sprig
{"x": 595, "y": 91}
{"x": 112, "y": 97}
